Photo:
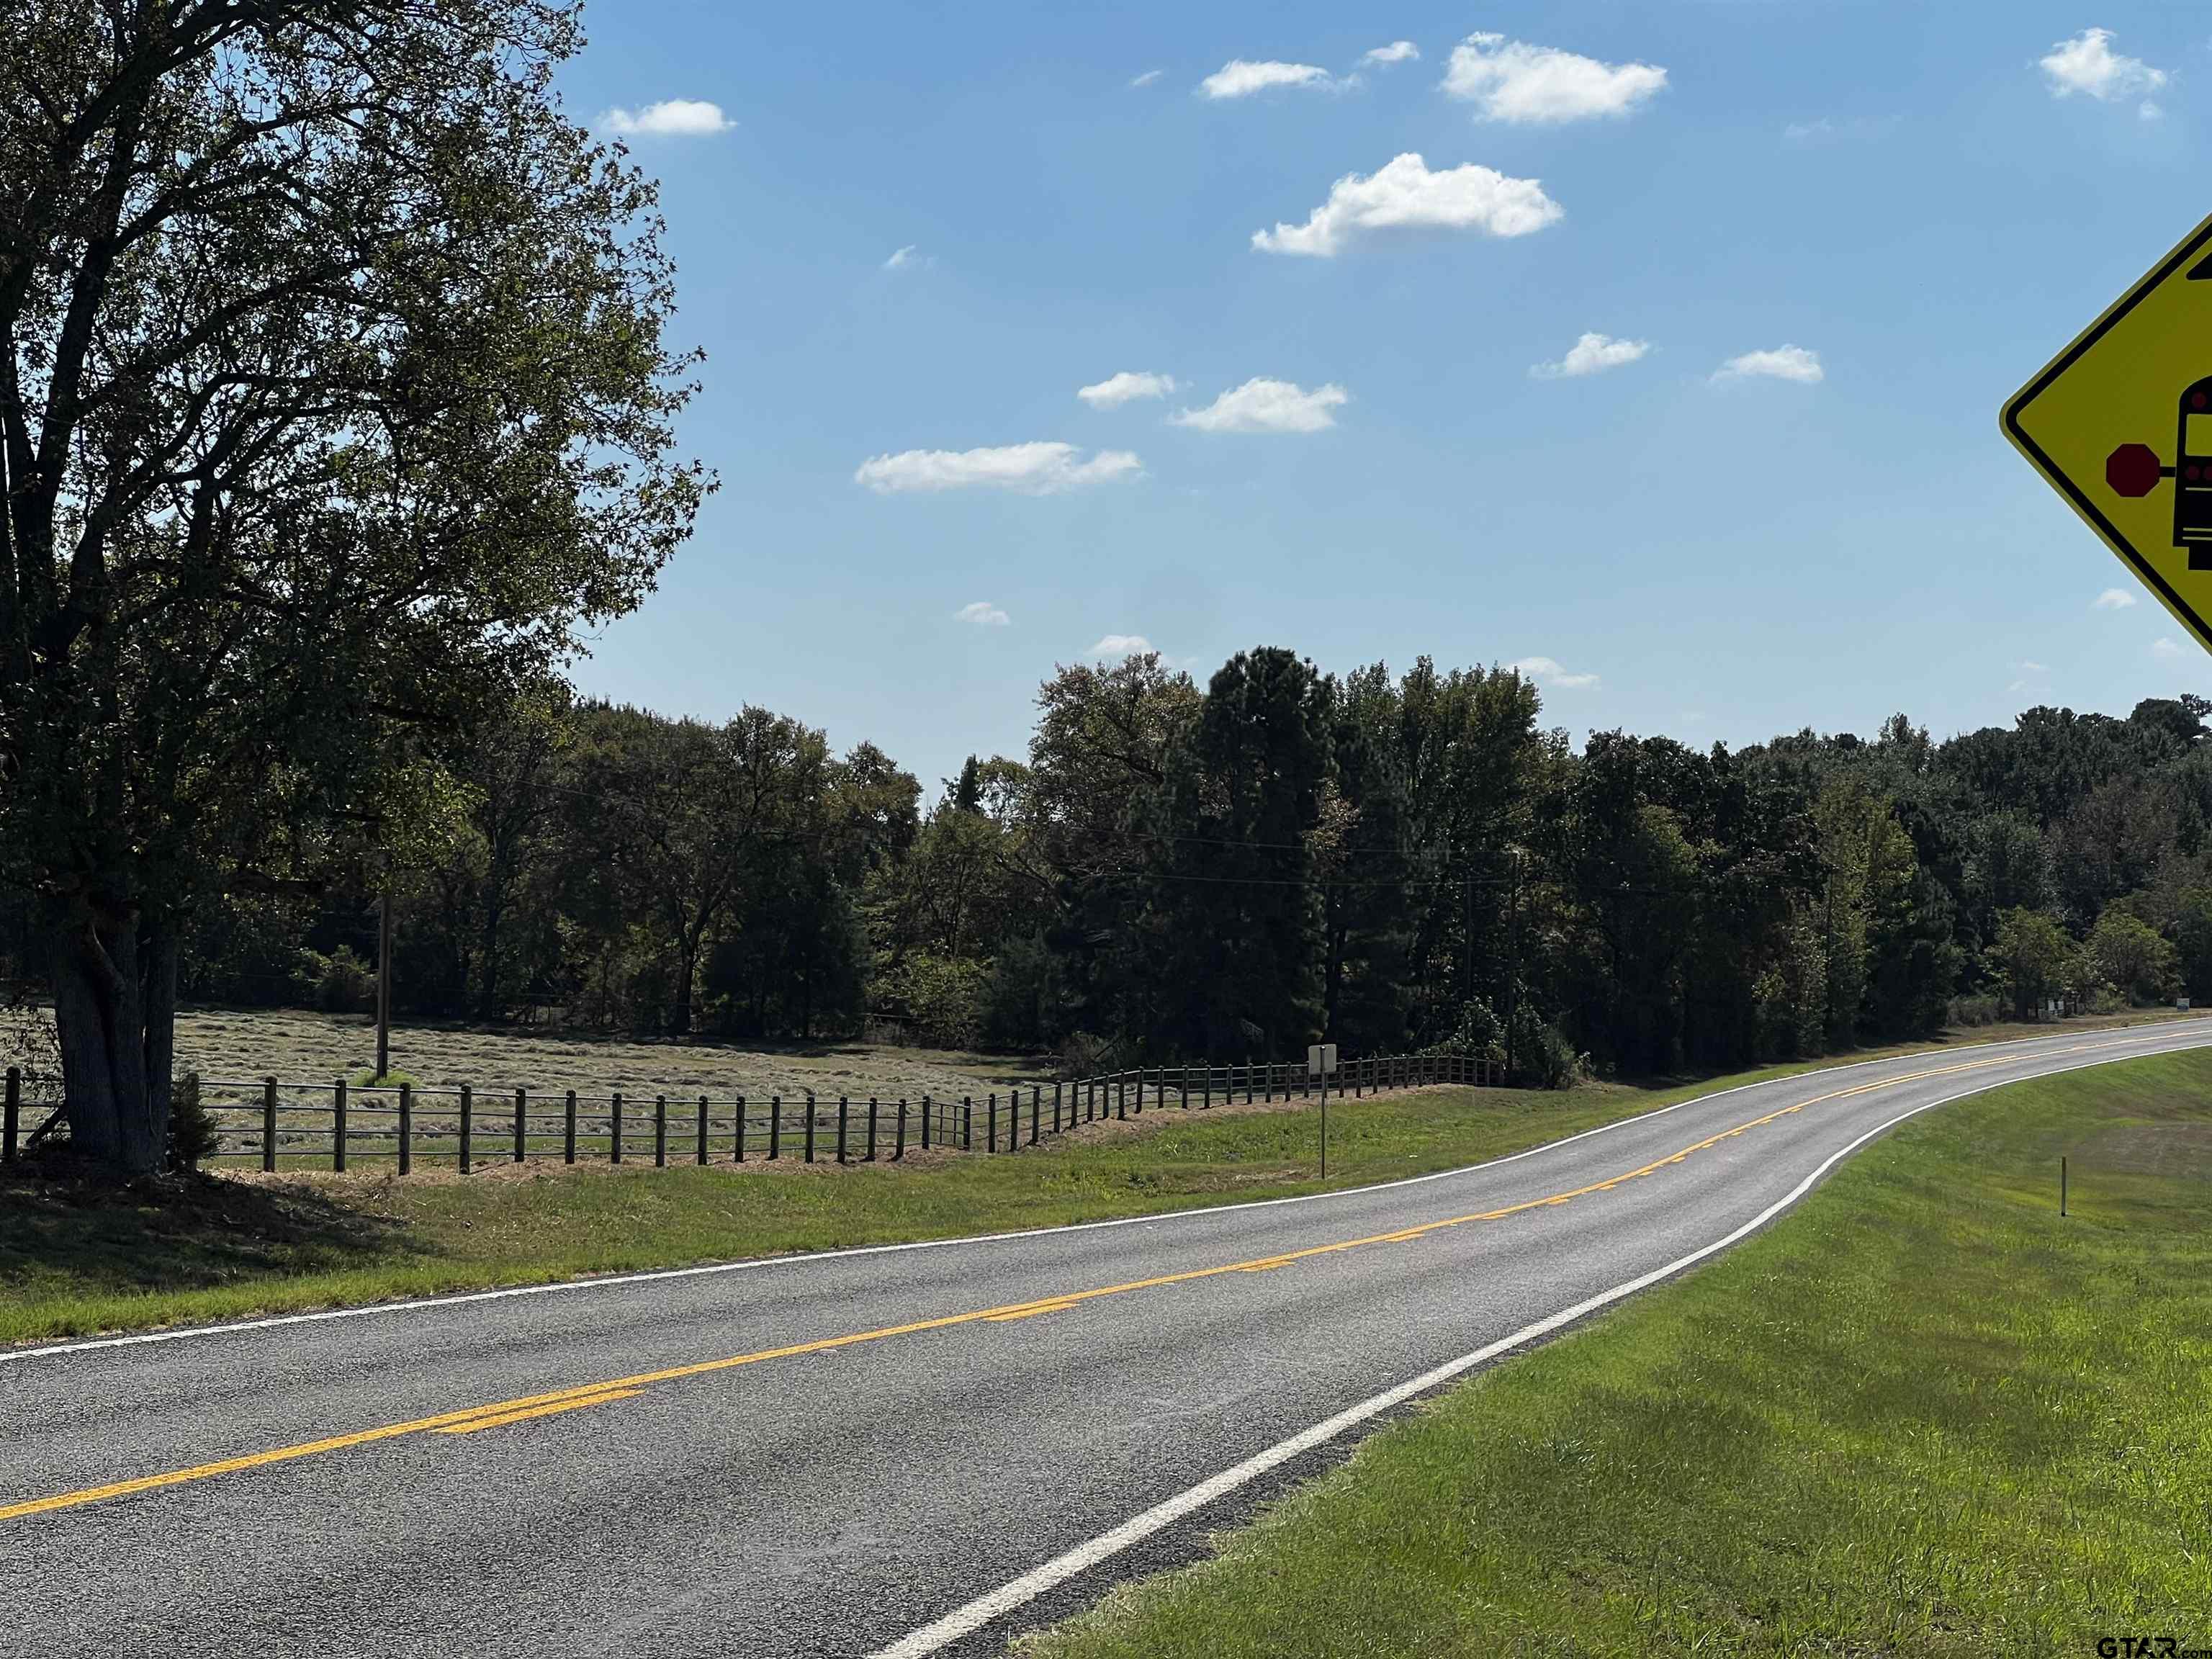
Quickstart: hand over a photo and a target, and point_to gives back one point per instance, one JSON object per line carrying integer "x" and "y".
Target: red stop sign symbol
{"x": 2132, "y": 470}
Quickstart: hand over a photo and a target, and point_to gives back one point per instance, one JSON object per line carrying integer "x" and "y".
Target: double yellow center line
{"x": 505, "y": 1412}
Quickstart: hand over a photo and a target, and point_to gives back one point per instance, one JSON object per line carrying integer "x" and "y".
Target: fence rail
{"x": 268, "y": 1124}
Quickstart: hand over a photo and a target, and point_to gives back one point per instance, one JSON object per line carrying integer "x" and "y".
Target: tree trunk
{"x": 116, "y": 1040}
{"x": 487, "y": 998}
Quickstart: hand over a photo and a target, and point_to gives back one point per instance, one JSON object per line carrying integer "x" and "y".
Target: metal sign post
{"x": 1321, "y": 1061}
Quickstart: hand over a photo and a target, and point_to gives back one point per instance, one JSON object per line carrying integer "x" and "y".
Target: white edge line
{"x": 967, "y": 1620}
{"x": 610, "y": 1281}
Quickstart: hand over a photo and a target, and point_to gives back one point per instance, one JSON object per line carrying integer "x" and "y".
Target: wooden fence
{"x": 266, "y": 1123}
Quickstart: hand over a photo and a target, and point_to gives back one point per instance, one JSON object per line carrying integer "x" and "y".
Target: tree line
{"x": 1173, "y": 872}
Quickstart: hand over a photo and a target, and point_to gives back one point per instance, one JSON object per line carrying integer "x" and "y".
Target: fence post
{"x": 1121, "y": 1096}
{"x": 468, "y": 1102}
{"x": 521, "y": 1122}
{"x": 614, "y": 1128}
{"x": 810, "y": 1126}
{"x": 338, "y": 1125}
{"x": 11, "y": 1115}
{"x": 741, "y": 1129}
{"x": 1206, "y": 1100}
{"x": 844, "y": 1111}
{"x": 991, "y": 1124}
{"x": 660, "y": 1132}
{"x": 901, "y": 1151}
{"x": 1036, "y": 1095}
{"x": 967, "y": 1123}
{"x": 267, "y": 1119}
{"x": 569, "y": 1131}
{"x": 1247, "y": 1083}
{"x": 1055, "y": 1107}
{"x": 872, "y": 1129}
{"x": 407, "y": 1128}
{"x": 702, "y": 1128}
{"x": 925, "y": 1123}
{"x": 774, "y": 1127}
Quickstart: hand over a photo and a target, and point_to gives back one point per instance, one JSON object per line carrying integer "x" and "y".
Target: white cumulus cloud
{"x": 983, "y": 614}
{"x": 1119, "y": 644}
{"x": 1511, "y": 80}
{"x": 1118, "y": 389}
{"x": 1591, "y": 354}
{"x": 2113, "y": 598}
{"x": 1239, "y": 79}
{"x": 1548, "y": 670}
{"x": 1030, "y": 469}
{"x": 2162, "y": 647}
{"x": 1264, "y": 405}
{"x": 672, "y": 117}
{"x": 1787, "y": 362}
{"x": 1405, "y": 193}
{"x": 2087, "y": 64}
{"x": 1398, "y": 51}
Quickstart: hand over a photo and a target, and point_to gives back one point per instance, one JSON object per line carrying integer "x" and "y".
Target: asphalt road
{"x": 666, "y": 1476}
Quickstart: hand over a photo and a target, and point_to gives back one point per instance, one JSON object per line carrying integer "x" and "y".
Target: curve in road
{"x": 892, "y": 1451}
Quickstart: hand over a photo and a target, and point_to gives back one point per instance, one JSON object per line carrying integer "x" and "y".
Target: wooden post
{"x": 267, "y": 1119}
{"x": 568, "y": 1130}
{"x": 1206, "y": 1101}
{"x": 614, "y": 1128}
{"x": 741, "y": 1129}
{"x": 407, "y": 1128}
{"x": 521, "y": 1123}
{"x": 844, "y": 1112}
{"x": 991, "y": 1124}
{"x": 774, "y": 1127}
{"x": 1247, "y": 1083}
{"x": 872, "y": 1129}
{"x": 967, "y": 1123}
{"x": 1055, "y": 1107}
{"x": 901, "y": 1151}
{"x": 338, "y": 1125}
{"x": 1035, "y": 1095}
{"x": 468, "y": 1104}
{"x": 925, "y": 1123}
{"x": 11, "y": 1115}
{"x": 810, "y": 1126}
{"x": 702, "y": 1128}
{"x": 660, "y": 1132}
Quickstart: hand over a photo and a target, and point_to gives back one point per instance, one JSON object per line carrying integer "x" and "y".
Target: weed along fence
{"x": 267, "y": 1124}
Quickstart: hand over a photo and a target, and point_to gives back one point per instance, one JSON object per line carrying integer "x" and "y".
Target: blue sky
{"x": 1909, "y": 195}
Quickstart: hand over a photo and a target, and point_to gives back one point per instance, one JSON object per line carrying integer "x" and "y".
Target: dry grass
{"x": 299, "y": 1047}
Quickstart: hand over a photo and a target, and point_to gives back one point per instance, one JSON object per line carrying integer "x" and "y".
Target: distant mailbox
{"x": 1321, "y": 1060}
{"x": 2181, "y": 1003}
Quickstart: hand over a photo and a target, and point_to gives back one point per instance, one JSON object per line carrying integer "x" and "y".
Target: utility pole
{"x": 384, "y": 974}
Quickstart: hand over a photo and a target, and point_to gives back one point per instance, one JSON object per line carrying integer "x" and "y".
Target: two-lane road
{"x": 913, "y": 1449}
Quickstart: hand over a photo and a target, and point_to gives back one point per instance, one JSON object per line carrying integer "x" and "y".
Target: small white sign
{"x": 2181, "y": 1005}
{"x": 1321, "y": 1060}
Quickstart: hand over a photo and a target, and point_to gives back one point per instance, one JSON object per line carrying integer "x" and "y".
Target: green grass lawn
{"x": 1923, "y": 1414}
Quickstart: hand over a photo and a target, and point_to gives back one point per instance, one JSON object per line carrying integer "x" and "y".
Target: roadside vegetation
{"x": 1922, "y": 1414}
{"x": 80, "y": 1254}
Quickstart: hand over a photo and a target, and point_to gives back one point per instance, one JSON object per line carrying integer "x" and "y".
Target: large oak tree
{"x": 333, "y": 395}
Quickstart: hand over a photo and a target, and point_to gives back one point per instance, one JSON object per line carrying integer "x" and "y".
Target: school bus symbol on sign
{"x": 2120, "y": 423}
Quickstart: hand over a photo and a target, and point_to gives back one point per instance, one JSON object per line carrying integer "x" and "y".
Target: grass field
{"x": 1923, "y": 1414}
{"x": 297, "y": 1046}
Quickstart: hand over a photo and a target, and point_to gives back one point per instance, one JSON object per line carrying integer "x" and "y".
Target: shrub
{"x": 343, "y": 983}
{"x": 193, "y": 1135}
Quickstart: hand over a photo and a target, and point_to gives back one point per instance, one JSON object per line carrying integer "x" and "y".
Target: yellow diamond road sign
{"x": 2120, "y": 423}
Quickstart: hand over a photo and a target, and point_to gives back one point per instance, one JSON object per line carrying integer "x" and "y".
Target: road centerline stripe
{"x": 518, "y": 1409}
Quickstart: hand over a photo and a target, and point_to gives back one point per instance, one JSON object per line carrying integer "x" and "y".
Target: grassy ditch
{"x": 1921, "y": 1414}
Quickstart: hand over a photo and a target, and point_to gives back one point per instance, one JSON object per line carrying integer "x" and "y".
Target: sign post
{"x": 1321, "y": 1061}
{"x": 2120, "y": 425}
